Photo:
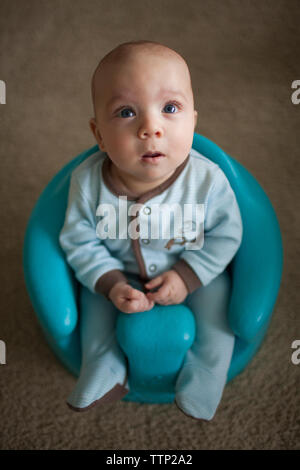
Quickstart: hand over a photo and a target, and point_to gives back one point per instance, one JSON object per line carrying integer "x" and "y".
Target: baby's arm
{"x": 85, "y": 252}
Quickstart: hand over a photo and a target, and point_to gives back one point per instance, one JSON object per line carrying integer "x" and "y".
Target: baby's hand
{"x": 129, "y": 300}
{"x": 172, "y": 289}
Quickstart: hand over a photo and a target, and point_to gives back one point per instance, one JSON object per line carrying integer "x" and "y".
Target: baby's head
{"x": 143, "y": 102}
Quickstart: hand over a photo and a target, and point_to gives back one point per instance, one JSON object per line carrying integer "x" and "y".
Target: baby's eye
{"x": 171, "y": 108}
{"x": 124, "y": 113}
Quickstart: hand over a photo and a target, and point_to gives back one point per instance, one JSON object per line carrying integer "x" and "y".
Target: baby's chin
{"x": 159, "y": 170}
{"x": 156, "y": 175}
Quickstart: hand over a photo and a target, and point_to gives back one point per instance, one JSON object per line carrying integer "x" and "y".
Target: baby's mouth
{"x": 152, "y": 157}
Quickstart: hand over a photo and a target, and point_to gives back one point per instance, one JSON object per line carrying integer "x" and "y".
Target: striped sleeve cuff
{"x": 187, "y": 274}
{"x": 108, "y": 280}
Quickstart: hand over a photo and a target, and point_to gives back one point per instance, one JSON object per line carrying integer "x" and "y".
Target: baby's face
{"x": 145, "y": 105}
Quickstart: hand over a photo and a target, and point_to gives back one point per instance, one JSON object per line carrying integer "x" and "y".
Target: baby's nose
{"x": 149, "y": 129}
{"x": 146, "y": 133}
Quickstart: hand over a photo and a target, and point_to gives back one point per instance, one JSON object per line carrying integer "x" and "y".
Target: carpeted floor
{"x": 243, "y": 56}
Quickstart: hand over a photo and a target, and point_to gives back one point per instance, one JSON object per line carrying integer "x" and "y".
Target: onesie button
{"x": 145, "y": 241}
{"x": 152, "y": 268}
{"x": 147, "y": 210}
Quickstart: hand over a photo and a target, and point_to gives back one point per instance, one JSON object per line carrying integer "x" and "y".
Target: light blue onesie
{"x": 190, "y": 223}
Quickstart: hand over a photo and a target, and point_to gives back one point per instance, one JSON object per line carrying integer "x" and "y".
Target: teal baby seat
{"x": 155, "y": 342}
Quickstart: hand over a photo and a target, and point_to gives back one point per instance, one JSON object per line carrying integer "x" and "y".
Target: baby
{"x": 144, "y": 122}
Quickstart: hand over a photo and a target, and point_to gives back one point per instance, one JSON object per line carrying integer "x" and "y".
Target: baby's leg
{"x": 103, "y": 373}
{"x": 201, "y": 381}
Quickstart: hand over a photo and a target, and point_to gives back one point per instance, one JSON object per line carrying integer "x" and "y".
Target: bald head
{"x": 127, "y": 51}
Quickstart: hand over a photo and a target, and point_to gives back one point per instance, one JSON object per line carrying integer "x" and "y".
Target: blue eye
{"x": 124, "y": 112}
{"x": 169, "y": 108}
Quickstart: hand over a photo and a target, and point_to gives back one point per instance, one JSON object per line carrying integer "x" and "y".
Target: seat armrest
{"x": 257, "y": 267}
{"x": 49, "y": 280}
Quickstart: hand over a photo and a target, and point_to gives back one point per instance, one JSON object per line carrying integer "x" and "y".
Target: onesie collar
{"x": 119, "y": 188}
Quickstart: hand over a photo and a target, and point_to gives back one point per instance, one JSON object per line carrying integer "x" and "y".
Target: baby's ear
{"x": 196, "y": 117}
{"x": 96, "y": 133}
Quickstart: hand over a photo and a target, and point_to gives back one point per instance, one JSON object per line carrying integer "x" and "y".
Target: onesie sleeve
{"x": 91, "y": 261}
{"x": 222, "y": 237}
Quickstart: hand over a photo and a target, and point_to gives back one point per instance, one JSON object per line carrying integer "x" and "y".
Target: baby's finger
{"x": 132, "y": 293}
{"x": 125, "y": 306}
{"x": 157, "y": 281}
{"x": 150, "y": 304}
{"x": 139, "y": 306}
{"x": 161, "y": 296}
{"x": 129, "y": 306}
{"x": 145, "y": 304}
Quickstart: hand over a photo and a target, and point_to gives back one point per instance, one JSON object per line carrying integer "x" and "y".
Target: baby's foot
{"x": 115, "y": 394}
{"x": 198, "y": 393}
{"x": 101, "y": 380}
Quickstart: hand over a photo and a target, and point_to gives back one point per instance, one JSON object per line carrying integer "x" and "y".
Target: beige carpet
{"x": 243, "y": 57}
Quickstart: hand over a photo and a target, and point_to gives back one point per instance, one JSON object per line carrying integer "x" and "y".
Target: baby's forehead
{"x": 143, "y": 54}
{"x": 111, "y": 67}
